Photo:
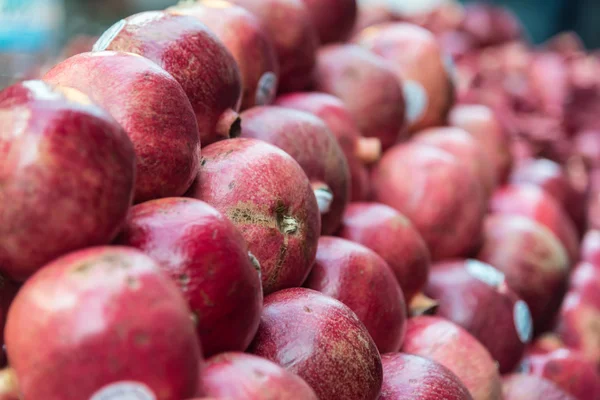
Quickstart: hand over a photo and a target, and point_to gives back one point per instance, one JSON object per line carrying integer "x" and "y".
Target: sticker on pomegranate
{"x": 485, "y": 272}
{"x": 267, "y": 89}
{"x": 416, "y": 100}
{"x": 523, "y": 321}
{"x": 124, "y": 391}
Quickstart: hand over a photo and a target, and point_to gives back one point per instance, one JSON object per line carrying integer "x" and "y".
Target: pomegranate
{"x": 334, "y": 19}
{"x": 437, "y": 192}
{"x": 490, "y": 24}
{"x": 45, "y": 213}
{"x": 241, "y": 32}
{"x": 590, "y": 247}
{"x": 529, "y": 387}
{"x": 392, "y": 236}
{"x": 453, "y": 347}
{"x": 90, "y": 299}
{"x": 321, "y": 340}
{"x": 310, "y": 142}
{"x": 269, "y": 198}
{"x": 194, "y": 56}
{"x": 368, "y": 88}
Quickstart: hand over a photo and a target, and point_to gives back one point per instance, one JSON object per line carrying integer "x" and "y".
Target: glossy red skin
{"x": 334, "y": 19}
{"x": 205, "y": 254}
{"x": 529, "y": 387}
{"x": 296, "y": 40}
{"x": 410, "y": 377}
{"x": 480, "y": 121}
{"x": 194, "y": 56}
{"x": 152, "y": 108}
{"x": 392, "y": 236}
{"x": 450, "y": 345}
{"x": 590, "y": 247}
{"x": 585, "y": 280}
{"x": 341, "y": 123}
{"x": 90, "y": 300}
{"x": 367, "y": 86}
{"x": 587, "y": 144}
{"x": 241, "y": 33}
{"x": 362, "y": 280}
{"x": 532, "y": 259}
{"x": 46, "y": 133}
{"x": 484, "y": 310}
{"x": 551, "y": 176}
{"x": 533, "y": 202}
{"x": 269, "y": 198}
{"x": 309, "y": 141}
{"x": 415, "y": 55}
{"x": 437, "y": 192}
{"x": 332, "y": 350}
{"x": 463, "y": 146}
{"x": 246, "y": 376}
{"x": 568, "y": 369}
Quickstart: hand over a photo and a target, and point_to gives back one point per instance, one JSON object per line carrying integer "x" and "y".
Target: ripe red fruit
{"x": 490, "y": 25}
{"x": 194, "y": 56}
{"x": 529, "y": 387}
{"x": 296, "y": 41}
{"x": 484, "y": 126}
{"x": 453, "y": 347}
{"x": 437, "y": 192}
{"x": 590, "y": 247}
{"x": 322, "y": 341}
{"x": 350, "y": 73}
{"x": 532, "y": 202}
{"x": 152, "y": 108}
{"x": 410, "y": 377}
{"x": 246, "y": 376}
{"x": 207, "y": 257}
{"x": 102, "y": 344}
{"x": 568, "y": 369}
{"x": 310, "y": 142}
{"x": 240, "y": 31}
{"x": 417, "y": 60}
{"x": 532, "y": 259}
{"x": 46, "y": 213}
{"x": 475, "y": 296}
{"x": 362, "y": 280}
{"x": 334, "y": 19}
{"x": 267, "y": 195}
{"x": 392, "y": 236}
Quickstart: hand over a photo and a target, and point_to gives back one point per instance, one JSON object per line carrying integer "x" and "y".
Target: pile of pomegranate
{"x": 302, "y": 200}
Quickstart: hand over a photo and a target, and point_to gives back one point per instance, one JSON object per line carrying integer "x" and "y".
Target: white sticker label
{"x": 485, "y": 273}
{"x": 124, "y": 391}
{"x": 451, "y": 69}
{"x": 415, "y": 98}
{"x": 107, "y": 37}
{"x": 266, "y": 89}
{"x": 523, "y": 321}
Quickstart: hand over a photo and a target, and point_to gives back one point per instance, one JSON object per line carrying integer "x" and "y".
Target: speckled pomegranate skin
{"x": 152, "y": 108}
{"x": 410, "y": 377}
{"x": 450, "y": 345}
{"x": 486, "y": 311}
{"x": 392, "y": 236}
{"x": 341, "y": 123}
{"x": 194, "y": 56}
{"x": 532, "y": 259}
{"x": 438, "y": 193}
{"x": 249, "y": 377}
{"x": 265, "y": 193}
{"x": 321, "y": 340}
{"x": 415, "y": 55}
{"x": 88, "y": 312}
{"x": 309, "y": 141}
{"x": 252, "y": 48}
{"x": 368, "y": 88}
{"x": 533, "y": 202}
{"x": 529, "y": 387}
{"x": 480, "y": 121}
{"x": 205, "y": 254}
{"x": 362, "y": 280}
{"x": 334, "y": 19}
{"x": 67, "y": 173}
{"x": 296, "y": 41}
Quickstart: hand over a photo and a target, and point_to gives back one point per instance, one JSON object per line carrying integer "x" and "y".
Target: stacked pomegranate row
{"x": 256, "y": 199}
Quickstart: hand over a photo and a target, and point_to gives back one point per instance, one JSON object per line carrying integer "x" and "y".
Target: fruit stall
{"x": 296, "y": 200}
